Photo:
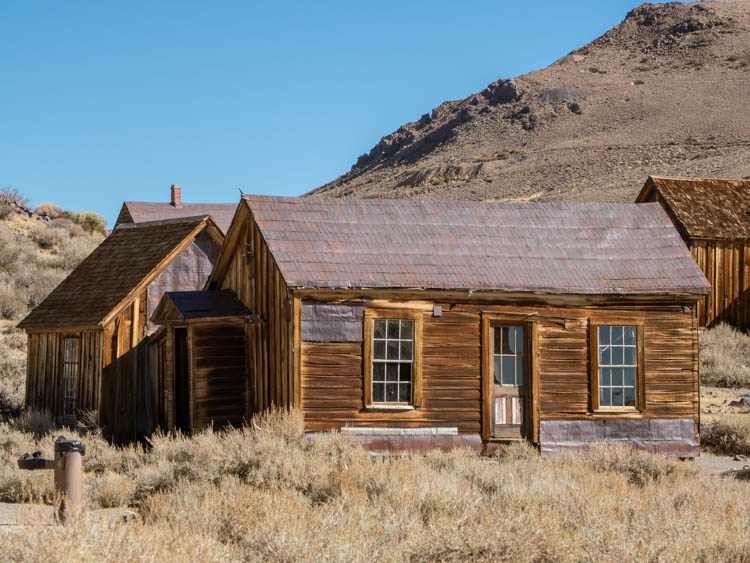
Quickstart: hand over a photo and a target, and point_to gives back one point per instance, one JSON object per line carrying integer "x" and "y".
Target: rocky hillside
{"x": 664, "y": 93}
{"x": 38, "y": 248}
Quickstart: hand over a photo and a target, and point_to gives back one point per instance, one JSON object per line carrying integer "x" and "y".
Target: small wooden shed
{"x": 418, "y": 324}
{"x": 713, "y": 218}
{"x": 86, "y": 340}
{"x": 200, "y": 360}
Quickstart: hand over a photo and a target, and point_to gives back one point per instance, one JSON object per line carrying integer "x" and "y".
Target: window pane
{"x": 506, "y": 340}
{"x": 630, "y": 335}
{"x": 393, "y": 329}
{"x": 378, "y": 392}
{"x": 391, "y": 392}
{"x": 407, "y": 329}
{"x": 405, "y": 372}
{"x": 617, "y": 398}
{"x": 629, "y": 377}
{"x": 629, "y": 396}
{"x": 406, "y": 349}
{"x": 497, "y": 372}
{"x": 519, "y": 340}
{"x": 519, "y": 370}
{"x": 378, "y": 371}
{"x": 617, "y": 335}
{"x": 616, "y": 355}
{"x": 392, "y": 350}
{"x": 391, "y": 372}
{"x": 379, "y": 331}
{"x": 604, "y": 377}
{"x": 630, "y": 355}
{"x": 604, "y": 397}
{"x": 497, "y": 331}
{"x": 604, "y": 335}
{"x": 378, "y": 349}
{"x": 616, "y": 376}
{"x": 509, "y": 363}
{"x": 605, "y": 355}
{"x": 404, "y": 392}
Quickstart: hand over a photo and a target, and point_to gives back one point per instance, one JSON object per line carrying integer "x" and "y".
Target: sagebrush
{"x": 725, "y": 357}
{"x": 266, "y": 492}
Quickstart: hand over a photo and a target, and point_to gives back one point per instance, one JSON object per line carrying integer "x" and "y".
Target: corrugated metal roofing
{"x": 108, "y": 275}
{"x": 141, "y": 212}
{"x": 708, "y": 208}
{"x": 596, "y": 248}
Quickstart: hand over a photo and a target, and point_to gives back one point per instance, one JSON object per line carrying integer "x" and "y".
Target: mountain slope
{"x": 664, "y": 93}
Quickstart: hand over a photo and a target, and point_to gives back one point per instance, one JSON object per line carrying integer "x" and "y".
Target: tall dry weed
{"x": 725, "y": 357}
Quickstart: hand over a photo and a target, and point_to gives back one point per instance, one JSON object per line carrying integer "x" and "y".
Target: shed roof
{"x": 144, "y": 211}
{"x": 570, "y": 248}
{"x": 185, "y": 305}
{"x": 124, "y": 262}
{"x": 705, "y": 208}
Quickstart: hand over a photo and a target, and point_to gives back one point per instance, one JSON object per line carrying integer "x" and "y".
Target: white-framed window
{"x": 392, "y": 360}
{"x": 618, "y": 373}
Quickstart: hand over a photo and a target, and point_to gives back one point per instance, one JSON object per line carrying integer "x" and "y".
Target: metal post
{"x": 67, "y": 465}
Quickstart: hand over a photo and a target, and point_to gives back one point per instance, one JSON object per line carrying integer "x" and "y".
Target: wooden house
{"x": 147, "y": 211}
{"x": 417, "y": 324}
{"x": 713, "y": 218}
{"x": 87, "y": 346}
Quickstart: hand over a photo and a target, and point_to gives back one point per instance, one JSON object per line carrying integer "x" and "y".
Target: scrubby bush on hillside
{"x": 49, "y": 209}
{"x": 267, "y": 493}
{"x": 725, "y": 357}
{"x": 9, "y": 196}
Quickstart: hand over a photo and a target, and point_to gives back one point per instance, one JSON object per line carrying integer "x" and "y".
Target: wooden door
{"x": 508, "y": 383}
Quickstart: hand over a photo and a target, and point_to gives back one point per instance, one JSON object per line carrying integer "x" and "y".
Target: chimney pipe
{"x": 176, "y": 192}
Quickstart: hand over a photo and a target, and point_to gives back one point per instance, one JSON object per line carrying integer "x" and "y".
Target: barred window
{"x": 71, "y": 371}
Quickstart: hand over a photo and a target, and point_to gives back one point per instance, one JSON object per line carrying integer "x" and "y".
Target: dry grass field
{"x": 267, "y": 493}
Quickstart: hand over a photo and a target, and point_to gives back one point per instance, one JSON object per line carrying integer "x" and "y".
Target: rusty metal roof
{"x": 703, "y": 207}
{"x": 574, "y": 248}
{"x": 142, "y": 211}
{"x": 126, "y": 258}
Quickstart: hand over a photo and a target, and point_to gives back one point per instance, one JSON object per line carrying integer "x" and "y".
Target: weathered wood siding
{"x": 332, "y": 373}
{"x": 726, "y": 265}
{"x": 257, "y": 282}
{"x": 219, "y": 381}
{"x": 123, "y": 361}
{"x": 44, "y": 389}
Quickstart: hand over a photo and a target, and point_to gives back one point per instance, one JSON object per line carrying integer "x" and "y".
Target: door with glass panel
{"x": 508, "y": 367}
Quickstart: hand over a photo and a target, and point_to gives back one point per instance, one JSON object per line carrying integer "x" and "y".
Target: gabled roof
{"x": 142, "y": 211}
{"x": 187, "y": 305}
{"x": 562, "y": 248}
{"x": 115, "y": 272}
{"x": 703, "y": 208}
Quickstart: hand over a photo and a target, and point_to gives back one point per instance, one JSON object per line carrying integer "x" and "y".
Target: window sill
{"x": 388, "y": 408}
{"x": 618, "y": 410}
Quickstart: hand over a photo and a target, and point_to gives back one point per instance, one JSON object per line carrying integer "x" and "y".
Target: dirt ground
{"x": 716, "y": 403}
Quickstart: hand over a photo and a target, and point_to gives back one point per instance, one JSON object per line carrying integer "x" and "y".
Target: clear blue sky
{"x": 102, "y": 101}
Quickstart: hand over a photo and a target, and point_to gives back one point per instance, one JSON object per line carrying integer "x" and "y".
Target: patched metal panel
{"x": 667, "y": 436}
{"x": 332, "y": 323}
{"x": 187, "y": 272}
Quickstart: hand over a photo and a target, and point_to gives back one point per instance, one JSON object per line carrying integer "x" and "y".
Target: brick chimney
{"x": 176, "y": 192}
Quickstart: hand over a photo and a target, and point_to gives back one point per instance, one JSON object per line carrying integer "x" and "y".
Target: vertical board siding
{"x": 726, "y": 265}
{"x": 256, "y": 280}
{"x": 332, "y": 373}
